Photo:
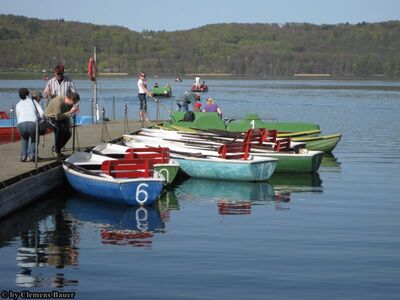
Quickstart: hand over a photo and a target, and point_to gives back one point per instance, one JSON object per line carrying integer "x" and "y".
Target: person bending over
{"x": 58, "y": 112}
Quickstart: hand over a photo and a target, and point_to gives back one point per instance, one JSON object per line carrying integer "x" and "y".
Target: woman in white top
{"x": 143, "y": 91}
{"x": 27, "y": 115}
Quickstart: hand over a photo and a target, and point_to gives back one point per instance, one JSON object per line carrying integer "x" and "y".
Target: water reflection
{"x": 237, "y": 198}
{"x": 287, "y": 183}
{"x": 119, "y": 225}
{"x": 232, "y": 197}
{"x": 330, "y": 163}
{"x": 167, "y": 202}
{"x": 47, "y": 238}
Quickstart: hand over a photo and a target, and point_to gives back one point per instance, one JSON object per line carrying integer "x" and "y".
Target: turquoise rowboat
{"x": 256, "y": 169}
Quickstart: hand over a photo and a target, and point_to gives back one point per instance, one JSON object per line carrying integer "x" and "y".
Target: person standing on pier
{"x": 58, "y": 112}
{"x": 143, "y": 91}
{"x": 27, "y": 111}
{"x": 59, "y": 85}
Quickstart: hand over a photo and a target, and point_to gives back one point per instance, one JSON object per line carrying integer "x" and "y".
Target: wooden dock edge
{"x": 27, "y": 190}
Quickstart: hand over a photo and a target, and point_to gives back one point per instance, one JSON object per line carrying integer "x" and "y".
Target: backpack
{"x": 189, "y": 117}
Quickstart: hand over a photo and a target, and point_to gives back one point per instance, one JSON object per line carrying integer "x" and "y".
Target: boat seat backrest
{"x": 156, "y": 155}
{"x": 234, "y": 151}
{"x": 282, "y": 145}
{"x": 128, "y": 168}
{"x": 260, "y": 135}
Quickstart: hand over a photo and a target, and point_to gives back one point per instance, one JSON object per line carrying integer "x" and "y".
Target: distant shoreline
{"x": 190, "y": 76}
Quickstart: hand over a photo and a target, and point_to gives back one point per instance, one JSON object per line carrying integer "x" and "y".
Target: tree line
{"x": 270, "y": 50}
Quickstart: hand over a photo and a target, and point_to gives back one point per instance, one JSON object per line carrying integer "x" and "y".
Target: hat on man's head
{"x": 210, "y": 100}
{"x": 37, "y": 94}
{"x": 59, "y": 69}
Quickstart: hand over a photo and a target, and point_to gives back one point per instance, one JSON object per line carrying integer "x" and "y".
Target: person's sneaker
{"x": 28, "y": 159}
{"x": 22, "y": 159}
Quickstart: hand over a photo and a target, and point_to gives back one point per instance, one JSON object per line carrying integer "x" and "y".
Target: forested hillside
{"x": 271, "y": 50}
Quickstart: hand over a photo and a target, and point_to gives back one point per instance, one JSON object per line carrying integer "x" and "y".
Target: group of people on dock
{"x": 61, "y": 104}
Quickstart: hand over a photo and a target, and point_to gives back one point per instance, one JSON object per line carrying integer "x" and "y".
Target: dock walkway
{"x": 86, "y": 136}
{"x": 21, "y": 183}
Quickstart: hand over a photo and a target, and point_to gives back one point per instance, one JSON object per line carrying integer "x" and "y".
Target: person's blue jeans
{"x": 27, "y": 132}
{"x": 182, "y": 106}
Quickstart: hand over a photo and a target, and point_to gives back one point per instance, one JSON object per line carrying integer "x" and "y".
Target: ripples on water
{"x": 329, "y": 235}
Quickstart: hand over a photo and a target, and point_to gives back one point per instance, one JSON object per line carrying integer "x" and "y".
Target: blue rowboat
{"x": 254, "y": 169}
{"x": 129, "y": 182}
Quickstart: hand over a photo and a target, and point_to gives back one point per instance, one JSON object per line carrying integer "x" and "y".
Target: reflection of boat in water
{"x": 330, "y": 163}
{"x": 166, "y": 203}
{"x": 120, "y": 225}
{"x": 224, "y": 190}
{"x": 296, "y": 183}
{"x": 232, "y": 197}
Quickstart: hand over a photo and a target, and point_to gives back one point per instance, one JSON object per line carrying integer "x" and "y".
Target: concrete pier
{"x": 21, "y": 183}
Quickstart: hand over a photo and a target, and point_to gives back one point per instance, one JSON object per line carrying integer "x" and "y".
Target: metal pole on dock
{"x": 158, "y": 111}
{"x": 36, "y": 142}
{"x": 113, "y": 107}
{"x": 12, "y": 123}
{"x": 103, "y": 115}
{"x": 126, "y": 128}
{"x": 94, "y": 80}
{"x": 73, "y": 133}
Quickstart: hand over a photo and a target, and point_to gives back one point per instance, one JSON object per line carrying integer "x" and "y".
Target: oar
{"x": 162, "y": 105}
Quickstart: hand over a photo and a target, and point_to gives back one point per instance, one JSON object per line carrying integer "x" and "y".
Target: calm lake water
{"x": 331, "y": 235}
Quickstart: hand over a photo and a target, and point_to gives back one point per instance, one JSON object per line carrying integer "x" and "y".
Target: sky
{"x": 171, "y": 15}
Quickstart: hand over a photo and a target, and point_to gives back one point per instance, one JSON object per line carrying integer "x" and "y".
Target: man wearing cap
{"x": 37, "y": 95}
{"x": 60, "y": 84}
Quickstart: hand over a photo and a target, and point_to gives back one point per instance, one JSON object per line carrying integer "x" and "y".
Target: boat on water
{"x": 129, "y": 182}
{"x": 160, "y": 157}
{"x": 232, "y": 164}
{"x": 325, "y": 143}
{"x": 302, "y": 161}
{"x": 8, "y": 127}
{"x": 162, "y": 91}
{"x": 307, "y": 133}
{"x": 254, "y": 169}
{"x": 199, "y": 87}
{"x": 208, "y": 120}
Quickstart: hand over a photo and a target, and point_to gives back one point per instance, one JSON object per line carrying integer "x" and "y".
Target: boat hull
{"x": 296, "y": 163}
{"x": 169, "y": 171}
{"x": 141, "y": 191}
{"x": 320, "y": 143}
{"x": 227, "y": 169}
